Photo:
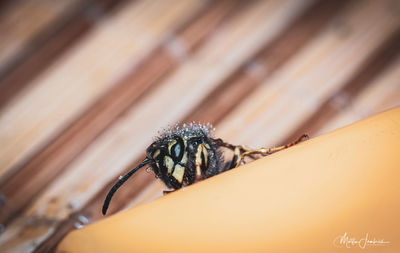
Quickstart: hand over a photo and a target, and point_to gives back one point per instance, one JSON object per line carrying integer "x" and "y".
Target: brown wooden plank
{"x": 38, "y": 51}
{"x": 380, "y": 94}
{"x": 367, "y": 72}
{"x": 5, "y": 6}
{"x": 25, "y": 20}
{"x": 228, "y": 95}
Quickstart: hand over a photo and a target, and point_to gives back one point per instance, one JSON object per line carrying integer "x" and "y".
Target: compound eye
{"x": 177, "y": 149}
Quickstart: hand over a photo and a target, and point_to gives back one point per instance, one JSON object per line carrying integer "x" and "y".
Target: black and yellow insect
{"x": 183, "y": 156}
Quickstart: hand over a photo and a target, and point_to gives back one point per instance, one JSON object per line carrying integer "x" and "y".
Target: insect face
{"x": 182, "y": 159}
{"x": 170, "y": 160}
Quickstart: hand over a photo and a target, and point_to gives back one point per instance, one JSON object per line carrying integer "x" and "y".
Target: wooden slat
{"x": 24, "y": 21}
{"x": 382, "y": 94}
{"x": 5, "y": 6}
{"x": 192, "y": 82}
{"x": 81, "y": 77}
{"x": 293, "y": 94}
{"x": 229, "y": 94}
{"x": 362, "y": 78}
{"x": 41, "y": 51}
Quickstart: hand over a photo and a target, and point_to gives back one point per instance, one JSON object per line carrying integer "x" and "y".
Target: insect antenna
{"x": 120, "y": 182}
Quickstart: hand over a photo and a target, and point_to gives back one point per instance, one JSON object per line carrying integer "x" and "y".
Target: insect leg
{"x": 220, "y": 142}
{"x": 239, "y": 152}
{"x": 268, "y": 151}
{"x": 239, "y": 156}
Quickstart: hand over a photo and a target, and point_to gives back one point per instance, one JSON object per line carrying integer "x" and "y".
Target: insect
{"x": 183, "y": 156}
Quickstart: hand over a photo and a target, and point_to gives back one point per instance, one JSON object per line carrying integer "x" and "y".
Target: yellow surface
{"x": 298, "y": 200}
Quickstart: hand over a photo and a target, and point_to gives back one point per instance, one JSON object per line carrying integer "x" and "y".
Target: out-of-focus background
{"x": 86, "y": 85}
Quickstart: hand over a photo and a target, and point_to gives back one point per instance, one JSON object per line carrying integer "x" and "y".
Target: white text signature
{"x": 348, "y": 241}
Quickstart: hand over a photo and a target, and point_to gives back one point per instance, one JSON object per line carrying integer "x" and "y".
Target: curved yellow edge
{"x": 327, "y": 193}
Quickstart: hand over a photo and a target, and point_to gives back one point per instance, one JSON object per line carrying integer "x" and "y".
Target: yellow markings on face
{"x": 207, "y": 146}
{"x": 198, "y": 162}
{"x": 201, "y": 151}
{"x": 169, "y": 163}
{"x": 156, "y": 153}
{"x": 184, "y": 158}
{"x": 170, "y": 144}
{"x": 179, "y": 171}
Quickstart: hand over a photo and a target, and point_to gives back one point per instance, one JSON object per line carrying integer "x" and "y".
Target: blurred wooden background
{"x": 85, "y": 85}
